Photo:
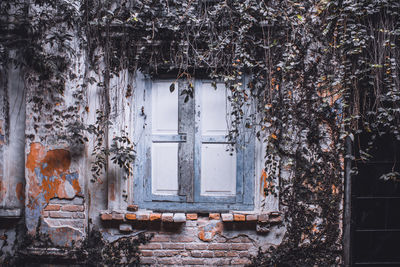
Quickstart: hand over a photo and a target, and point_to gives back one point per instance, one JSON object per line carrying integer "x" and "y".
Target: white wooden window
{"x": 184, "y": 158}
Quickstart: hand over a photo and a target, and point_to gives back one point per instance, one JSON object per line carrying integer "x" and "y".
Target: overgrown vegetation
{"x": 94, "y": 250}
{"x": 320, "y": 70}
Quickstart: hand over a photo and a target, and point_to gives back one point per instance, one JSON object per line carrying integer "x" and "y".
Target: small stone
{"x": 167, "y": 217}
{"x": 275, "y": 218}
{"x": 118, "y": 216}
{"x": 132, "y": 207}
{"x": 51, "y": 207}
{"x": 214, "y": 216}
{"x": 239, "y": 217}
{"x": 179, "y": 217}
{"x": 262, "y": 228}
{"x": 191, "y": 216}
{"x": 130, "y": 216}
{"x": 155, "y": 217}
{"x": 106, "y": 217}
{"x": 251, "y": 217}
{"x": 142, "y": 216}
{"x": 263, "y": 218}
{"x": 125, "y": 228}
{"x": 227, "y": 217}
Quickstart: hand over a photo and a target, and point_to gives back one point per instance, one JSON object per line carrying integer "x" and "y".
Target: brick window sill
{"x": 124, "y": 218}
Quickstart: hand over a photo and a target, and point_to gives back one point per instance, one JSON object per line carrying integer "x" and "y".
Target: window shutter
{"x": 164, "y": 146}
{"x": 216, "y": 164}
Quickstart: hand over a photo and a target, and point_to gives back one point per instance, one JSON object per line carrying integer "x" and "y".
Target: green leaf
{"x": 172, "y": 87}
{"x": 214, "y": 85}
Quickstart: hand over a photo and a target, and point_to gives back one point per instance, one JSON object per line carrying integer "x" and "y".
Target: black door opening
{"x": 375, "y": 207}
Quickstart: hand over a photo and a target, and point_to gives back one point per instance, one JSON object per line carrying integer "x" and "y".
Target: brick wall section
{"x": 182, "y": 246}
{"x": 65, "y": 212}
{"x": 214, "y": 239}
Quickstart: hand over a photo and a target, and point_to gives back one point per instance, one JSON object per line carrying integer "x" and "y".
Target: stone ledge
{"x": 7, "y": 214}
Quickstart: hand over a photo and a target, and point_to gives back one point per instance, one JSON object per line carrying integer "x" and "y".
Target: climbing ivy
{"x": 320, "y": 71}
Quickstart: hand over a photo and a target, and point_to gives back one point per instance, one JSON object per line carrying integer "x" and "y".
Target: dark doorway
{"x": 375, "y": 206}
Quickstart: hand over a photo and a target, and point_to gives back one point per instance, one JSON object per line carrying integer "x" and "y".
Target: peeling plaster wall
{"x": 61, "y": 204}
{"x": 54, "y": 191}
{"x": 12, "y": 147}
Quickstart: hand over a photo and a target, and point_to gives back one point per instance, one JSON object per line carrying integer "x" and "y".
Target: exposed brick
{"x": 72, "y": 208}
{"x": 244, "y": 254}
{"x": 193, "y": 261}
{"x": 167, "y": 261}
{"x": 240, "y": 261}
{"x": 106, "y": 217}
{"x": 219, "y": 262}
{"x": 202, "y": 254}
{"x": 173, "y": 246}
{"x": 183, "y": 239}
{"x": 232, "y": 253}
{"x": 191, "y": 216}
{"x": 263, "y": 217}
{"x": 219, "y": 246}
{"x": 147, "y": 261}
{"x": 184, "y": 254}
{"x": 165, "y": 253}
{"x": 207, "y": 254}
{"x": 142, "y": 216}
{"x": 214, "y": 216}
{"x": 147, "y": 253}
{"x": 118, "y": 216}
{"x": 125, "y": 228}
{"x": 150, "y": 246}
{"x": 60, "y": 214}
{"x": 251, "y": 217}
{"x": 160, "y": 238}
{"x": 239, "y": 217}
{"x": 78, "y": 215}
{"x": 240, "y": 246}
{"x": 167, "y": 217}
{"x": 197, "y": 246}
{"x": 275, "y": 218}
{"x": 52, "y": 207}
{"x": 227, "y": 217}
{"x": 130, "y": 216}
{"x": 132, "y": 207}
{"x": 179, "y": 217}
{"x": 220, "y": 253}
{"x": 45, "y": 214}
{"x": 155, "y": 217}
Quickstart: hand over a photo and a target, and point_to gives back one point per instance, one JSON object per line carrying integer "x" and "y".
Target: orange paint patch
{"x": 112, "y": 193}
{"x": 3, "y": 191}
{"x": 47, "y": 172}
{"x": 19, "y": 192}
{"x": 264, "y": 182}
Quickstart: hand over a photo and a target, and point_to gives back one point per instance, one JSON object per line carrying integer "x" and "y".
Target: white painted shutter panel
{"x": 164, "y": 152}
{"x": 218, "y": 164}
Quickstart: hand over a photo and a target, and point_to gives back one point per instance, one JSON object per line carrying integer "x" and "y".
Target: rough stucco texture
{"x": 48, "y": 176}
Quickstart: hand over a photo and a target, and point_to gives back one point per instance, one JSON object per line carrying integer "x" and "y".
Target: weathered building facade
{"x": 193, "y": 132}
{"x": 54, "y": 197}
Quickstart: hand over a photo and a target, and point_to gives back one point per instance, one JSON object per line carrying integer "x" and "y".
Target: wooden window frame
{"x": 189, "y": 197}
